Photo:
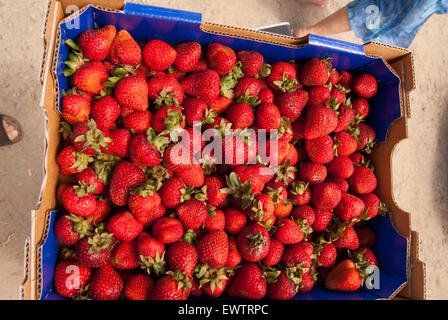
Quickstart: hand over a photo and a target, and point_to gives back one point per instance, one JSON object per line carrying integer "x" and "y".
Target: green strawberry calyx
{"x": 156, "y": 264}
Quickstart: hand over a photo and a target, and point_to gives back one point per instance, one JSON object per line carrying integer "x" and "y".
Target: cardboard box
{"x": 402, "y": 274}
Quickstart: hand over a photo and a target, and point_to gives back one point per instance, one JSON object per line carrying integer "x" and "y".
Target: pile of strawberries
{"x": 144, "y": 218}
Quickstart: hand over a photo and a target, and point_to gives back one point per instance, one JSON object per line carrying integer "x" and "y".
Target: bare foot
{"x": 12, "y": 128}
{"x": 299, "y": 33}
{"x": 319, "y": 3}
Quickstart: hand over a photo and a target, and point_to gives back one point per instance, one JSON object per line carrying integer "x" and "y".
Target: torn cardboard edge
{"x": 400, "y": 60}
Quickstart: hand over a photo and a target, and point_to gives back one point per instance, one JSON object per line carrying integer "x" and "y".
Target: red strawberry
{"x": 304, "y": 215}
{"x": 213, "y": 249}
{"x": 124, "y": 226}
{"x": 344, "y": 277}
{"x": 268, "y": 117}
{"x": 205, "y": 85}
{"x": 163, "y": 89}
{"x": 192, "y": 213}
{"x": 266, "y": 96}
{"x": 235, "y": 220}
{"x": 213, "y": 194}
{"x": 319, "y": 95}
{"x": 89, "y": 139}
{"x": 341, "y": 167}
{"x": 313, "y": 173}
{"x": 349, "y": 208}
{"x": 174, "y": 286}
{"x": 361, "y": 108}
{"x": 315, "y": 72}
{"x": 251, "y": 62}
{"x": 346, "y": 116}
{"x": 174, "y": 192}
{"x": 300, "y": 193}
{"x": 71, "y": 162}
{"x": 338, "y": 96}
{"x": 105, "y": 111}
{"x": 69, "y": 228}
{"x": 106, "y": 284}
{"x": 125, "y": 50}
{"x": 247, "y": 89}
{"x": 346, "y": 80}
{"x": 125, "y": 255}
{"x": 188, "y": 55}
{"x": 365, "y": 257}
{"x": 234, "y": 257}
{"x": 95, "y": 251}
{"x": 363, "y": 180}
{"x": 151, "y": 252}
{"x": 253, "y": 242}
{"x": 144, "y": 203}
{"x": 102, "y": 211}
{"x": 90, "y": 77}
{"x": 288, "y": 232}
{"x": 298, "y": 255}
{"x": 69, "y": 277}
{"x": 326, "y": 254}
{"x": 326, "y": 196}
{"x": 79, "y": 200}
{"x": 167, "y": 230}
{"x": 219, "y": 105}
{"x": 334, "y": 77}
{"x": 119, "y": 146}
{"x": 248, "y": 283}
{"x": 283, "y": 77}
{"x": 291, "y": 104}
{"x": 345, "y": 144}
{"x": 146, "y": 150}
{"x": 95, "y": 43}
{"x": 275, "y": 253}
{"x": 341, "y": 183}
{"x": 323, "y": 218}
{"x": 75, "y": 109}
{"x": 158, "y": 55}
{"x": 239, "y": 147}
{"x": 182, "y": 256}
{"x": 365, "y": 86}
{"x": 283, "y": 288}
{"x": 138, "y": 121}
{"x": 124, "y": 177}
{"x": 366, "y": 137}
{"x": 89, "y": 177}
{"x": 132, "y": 92}
{"x": 167, "y": 119}
{"x": 348, "y": 239}
{"x": 320, "y": 150}
{"x": 220, "y": 58}
{"x": 240, "y": 115}
{"x": 216, "y": 220}
{"x": 373, "y": 205}
{"x": 319, "y": 121}
{"x": 262, "y": 210}
{"x": 195, "y": 110}
{"x": 138, "y": 287}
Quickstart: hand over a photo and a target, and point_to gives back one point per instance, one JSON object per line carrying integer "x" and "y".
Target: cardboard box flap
{"x": 159, "y": 12}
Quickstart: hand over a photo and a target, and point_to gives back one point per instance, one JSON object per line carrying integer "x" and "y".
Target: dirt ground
{"x": 420, "y": 175}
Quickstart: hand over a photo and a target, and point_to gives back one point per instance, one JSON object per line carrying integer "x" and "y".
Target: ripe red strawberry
{"x": 124, "y": 177}
{"x": 90, "y": 77}
{"x": 146, "y": 150}
{"x": 72, "y": 162}
{"x": 288, "y": 232}
{"x": 266, "y": 96}
{"x": 220, "y": 58}
{"x": 319, "y": 95}
{"x": 235, "y": 220}
{"x": 304, "y": 215}
{"x": 205, "y": 85}
{"x": 361, "y": 108}
{"x": 373, "y": 205}
{"x": 320, "y": 150}
{"x": 319, "y": 121}
{"x": 163, "y": 89}
{"x": 158, "y": 55}
{"x": 125, "y": 256}
{"x": 239, "y": 147}
{"x": 363, "y": 180}
{"x": 315, "y": 72}
{"x": 275, "y": 253}
{"x": 102, "y": 211}
{"x": 119, "y": 146}
{"x": 75, "y": 109}
{"x": 365, "y": 86}
{"x": 216, "y": 220}
{"x": 105, "y": 111}
{"x": 268, "y": 117}
{"x": 106, "y": 284}
{"x": 138, "y": 121}
{"x": 69, "y": 277}
{"x": 323, "y": 218}
{"x": 213, "y": 249}
{"x": 138, "y": 287}
{"x": 89, "y": 139}
{"x": 125, "y": 111}
{"x": 346, "y": 80}
{"x": 247, "y": 88}
{"x": 173, "y": 286}
{"x": 348, "y": 239}
{"x": 349, "y": 208}
{"x": 192, "y": 213}
{"x": 69, "y": 229}
{"x": 132, "y": 92}
{"x": 365, "y": 257}
{"x": 283, "y": 77}
{"x": 300, "y": 193}
{"x": 341, "y": 183}
{"x": 326, "y": 196}
{"x": 188, "y": 54}
{"x": 283, "y": 288}
{"x": 213, "y": 194}
{"x": 167, "y": 230}
{"x": 251, "y": 62}
{"x": 234, "y": 257}
{"x": 253, "y": 242}
{"x": 291, "y": 104}
{"x": 341, "y": 167}
{"x": 334, "y": 77}
{"x": 248, "y": 283}
{"x": 125, "y": 50}
{"x": 124, "y": 226}
{"x": 174, "y": 192}
{"x": 298, "y": 255}
{"x": 346, "y": 116}
{"x": 326, "y": 254}
{"x": 312, "y": 172}
{"x": 167, "y": 119}
{"x": 95, "y": 43}
{"x": 219, "y": 105}
{"x": 193, "y": 177}
{"x": 345, "y": 144}
{"x": 89, "y": 177}
{"x": 365, "y": 136}
{"x": 151, "y": 252}
{"x": 182, "y": 256}
{"x": 344, "y": 277}
{"x": 144, "y": 203}
{"x": 262, "y": 210}
{"x": 79, "y": 200}
{"x": 240, "y": 115}
{"x": 94, "y": 251}
{"x": 195, "y": 110}
{"x": 338, "y": 96}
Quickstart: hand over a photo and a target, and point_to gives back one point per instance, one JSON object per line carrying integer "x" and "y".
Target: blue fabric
{"x": 394, "y": 22}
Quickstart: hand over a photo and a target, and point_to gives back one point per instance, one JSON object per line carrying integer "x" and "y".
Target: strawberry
{"x": 248, "y": 283}
{"x": 266, "y": 96}
{"x": 346, "y": 116}
{"x": 319, "y": 95}
{"x": 235, "y": 220}
{"x": 279, "y": 194}
{"x": 363, "y": 180}
{"x": 119, "y": 146}
{"x": 193, "y": 177}
{"x": 72, "y": 162}
{"x": 125, "y": 111}
{"x": 373, "y": 205}
{"x": 220, "y": 58}
{"x": 275, "y": 253}
{"x": 322, "y": 219}
{"x": 312, "y": 172}
{"x": 307, "y": 283}
{"x": 192, "y": 213}
{"x": 262, "y": 210}
{"x": 90, "y": 77}
{"x": 344, "y": 277}
{"x": 146, "y": 150}
{"x": 174, "y": 286}
{"x": 151, "y": 252}
{"x": 349, "y": 208}
{"x": 220, "y": 105}
{"x": 326, "y": 196}
{"x": 341, "y": 183}
{"x": 158, "y": 55}
{"x": 69, "y": 277}
{"x": 365, "y": 86}
{"x": 102, "y": 211}
{"x": 106, "y": 284}
{"x": 124, "y": 226}
{"x": 95, "y": 43}
{"x": 268, "y": 117}
{"x": 137, "y": 122}
{"x": 216, "y": 220}
{"x": 167, "y": 119}
{"x": 334, "y": 77}
{"x": 361, "y": 108}
{"x": 138, "y": 287}
{"x": 320, "y": 150}
{"x": 94, "y": 251}
{"x": 304, "y": 215}
{"x": 315, "y": 72}
{"x": 132, "y": 92}
{"x": 70, "y": 228}
{"x": 174, "y": 192}
{"x": 105, "y": 111}
{"x": 298, "y": 255}
{"x": 365, "y": 136}
{"x": 211, "y": 280}
{"x": 338, "y": 96}
{"x": 89, "y": 177}
{"x": 75, "y": 109}
{"x": 188, "y": 54}
{"x": 205, "y": 85}
{"x": 288, "y": 232}
{"x": 164, "y": 90}
{"x": 79, "y": 200}
{"x": 144, "y": 203}
{"x": 212, "y": 191}
{"x": 326, "y": 254}
{"x": 125, "y": 50}
{"x": 283, "y": 287}
{"x": 341, "y": 167}
{"x": 233, "y": 257}
{"x": 89, "y": 139}
{"x": 364, "y": 257}
{"x": 240, "y": 115}
{"x": 167, "y": 230}
{"x": 253, "y": 242}
{"x": 291, "y": 104}
{"x": 251, "y": 62}
{"x": 124, "y": 177}
{"x": 345, "y": 144}
{"x": 182, "y": 256}
{"x": 348, "y": 239}
{"x": 195, "y": 110}
{"x": 125, "y": 256}
{"x": 346, "y": 80}
{"x": 300, "y": 193}
{"x": 319, "y": 121}
{"x": 283, "y": 77}
{"x": 247, "y": 90}
{"x": 213, "y": 249}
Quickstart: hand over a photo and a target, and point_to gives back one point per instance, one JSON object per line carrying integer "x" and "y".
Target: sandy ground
{"x": 420, "y": 175}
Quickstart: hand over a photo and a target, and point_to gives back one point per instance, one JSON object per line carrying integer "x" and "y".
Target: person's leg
{"x": 336, "y": 23}
{"x": 10, "y": 130}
